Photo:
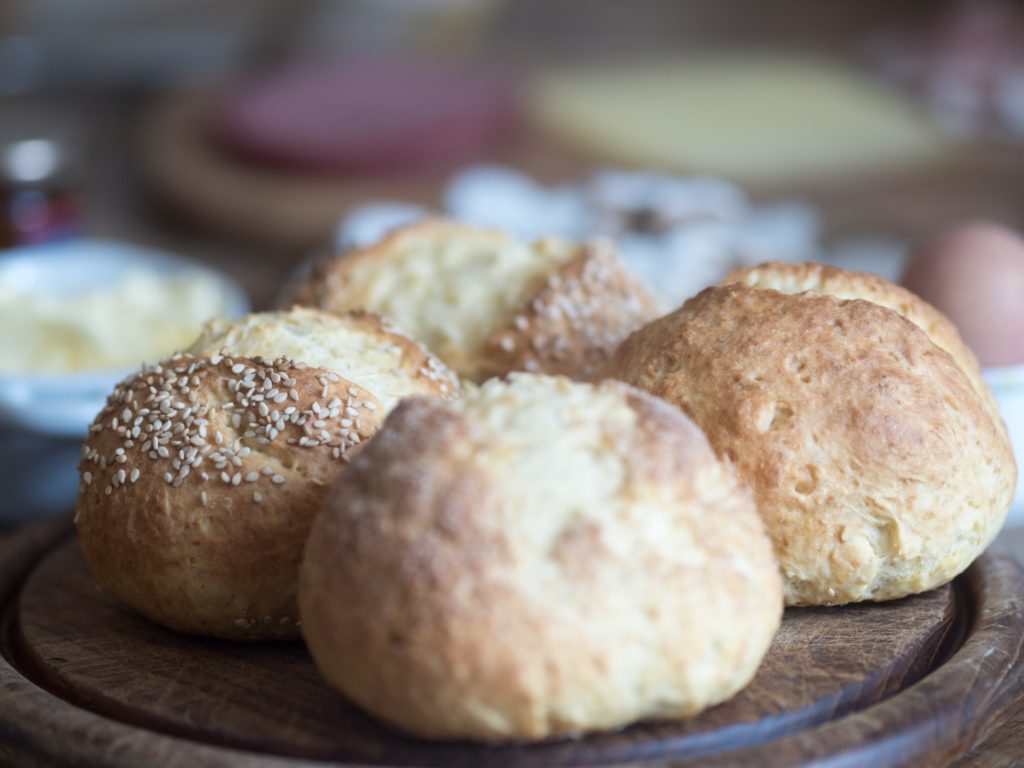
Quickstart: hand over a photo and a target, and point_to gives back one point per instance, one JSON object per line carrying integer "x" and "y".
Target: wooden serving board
{"x": 194, "y": 178}
{"x": 86, "y": 682}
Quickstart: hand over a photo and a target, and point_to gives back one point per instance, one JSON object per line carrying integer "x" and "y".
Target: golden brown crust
{"x": 574, "y": 322}
{"x": 568, "y": 320}
{"x": 847, "y": 284}
{"x": 202, "y": 474}
{"x": 445, "y": 591}
{"x": 877, "y": 468}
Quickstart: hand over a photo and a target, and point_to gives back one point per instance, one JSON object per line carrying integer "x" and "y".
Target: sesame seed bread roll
{"x": 538, "y": 559}
{"x": 200, "y": 477}
{"x": 879, "y": 469}
{"x": 486, "y": 303}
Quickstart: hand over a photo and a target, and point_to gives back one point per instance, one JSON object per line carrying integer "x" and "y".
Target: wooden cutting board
{"x": 86, "y": 682}
{"x": 186, "y": 172}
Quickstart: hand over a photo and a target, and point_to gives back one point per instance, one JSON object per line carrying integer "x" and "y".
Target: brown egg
{"x": 975, "y": 274}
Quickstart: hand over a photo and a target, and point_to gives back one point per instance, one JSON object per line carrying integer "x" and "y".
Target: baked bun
{"x": 848, "y": 285}
{"x": 538, "y": 559}
{"x": 486, "y": 303}
{"x": 203, "y": 472}
{"x": 879, "y": 469}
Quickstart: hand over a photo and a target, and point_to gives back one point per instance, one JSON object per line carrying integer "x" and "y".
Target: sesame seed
{"x": 204, "y": 498}
{"x": 252, "y": 477}
{"x": 134, "y": 475}
{"x": 236, "y": 478}
{"x": 257, "y": 497}
{"x": 277, "y": 479}
{"x": 168, "y": 478}
{"x": 108, "y": 490}
{"x": 237, "y": 368}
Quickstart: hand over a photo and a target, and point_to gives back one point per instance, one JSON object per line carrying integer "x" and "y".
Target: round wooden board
{"x": 84, "y": 681}
{"x": 186, "y": 171}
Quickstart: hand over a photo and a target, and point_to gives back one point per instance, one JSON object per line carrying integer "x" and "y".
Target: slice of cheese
{"x": 753, "y": 118}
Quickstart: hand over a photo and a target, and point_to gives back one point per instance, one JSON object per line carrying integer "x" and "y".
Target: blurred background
{"x": 163, "y": 160}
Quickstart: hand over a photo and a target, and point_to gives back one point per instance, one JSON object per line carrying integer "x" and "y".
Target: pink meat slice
{"x": 367, "y": 117}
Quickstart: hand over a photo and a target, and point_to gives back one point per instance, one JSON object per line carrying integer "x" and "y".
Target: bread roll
{"x": 487, "y": 304}
{"x": 848, "y": 285}
{"x": 877, "y": 462}
{"x": 538, "y": 559}
{"x": 200, "y": 477}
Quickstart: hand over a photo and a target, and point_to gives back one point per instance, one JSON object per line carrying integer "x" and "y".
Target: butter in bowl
{"x": 75, "y": 318}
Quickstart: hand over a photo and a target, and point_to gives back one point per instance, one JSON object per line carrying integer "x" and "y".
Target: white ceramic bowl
{"x": 1008, "y": 385}
{"x": 63, "y": 405}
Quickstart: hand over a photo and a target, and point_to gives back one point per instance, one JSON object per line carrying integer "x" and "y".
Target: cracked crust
{"x": 498, "y": 306}
{"x": 201, "y": 476}
{"x": 538, "y": 559}
{"x": 878, "y": 469}
{"x": 574, "y": 321}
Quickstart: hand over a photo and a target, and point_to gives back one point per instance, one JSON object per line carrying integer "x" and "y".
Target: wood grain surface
{"x": 77, "y": 641}
{"x": 86, "y": 682}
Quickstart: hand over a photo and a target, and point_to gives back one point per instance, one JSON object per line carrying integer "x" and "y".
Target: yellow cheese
{"x": 753, "y": 118}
